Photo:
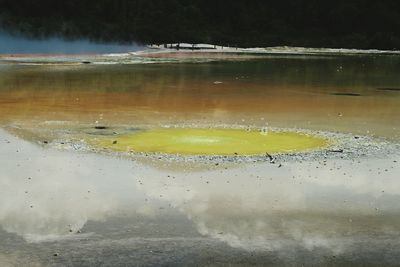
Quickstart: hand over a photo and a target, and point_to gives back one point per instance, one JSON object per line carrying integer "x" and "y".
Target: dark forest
{"x": 310, "y": 23}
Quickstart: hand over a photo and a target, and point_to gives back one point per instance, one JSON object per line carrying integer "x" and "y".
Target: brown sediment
{"x": 158, "y": 95}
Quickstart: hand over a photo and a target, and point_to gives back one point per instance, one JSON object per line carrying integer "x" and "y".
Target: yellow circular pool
{"x": 197, "y": 141}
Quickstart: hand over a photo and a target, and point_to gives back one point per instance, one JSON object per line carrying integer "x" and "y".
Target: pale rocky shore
{"x": 175, "y": 53}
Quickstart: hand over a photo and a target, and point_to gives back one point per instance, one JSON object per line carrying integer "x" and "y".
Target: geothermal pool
{"x": 273, "y": 160}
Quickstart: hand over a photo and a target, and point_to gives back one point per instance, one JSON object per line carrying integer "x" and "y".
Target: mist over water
{"x": 10, "y": 44}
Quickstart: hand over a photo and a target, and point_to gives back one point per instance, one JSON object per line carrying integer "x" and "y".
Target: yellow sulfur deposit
{"x": 193, "y": 141}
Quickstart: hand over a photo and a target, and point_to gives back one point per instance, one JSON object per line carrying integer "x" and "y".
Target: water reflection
{"x": 266, "y": 207}
{"x": 47, "y": 194}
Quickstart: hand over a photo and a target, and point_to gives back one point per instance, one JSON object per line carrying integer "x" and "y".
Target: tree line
{"x": 250, "y": 23}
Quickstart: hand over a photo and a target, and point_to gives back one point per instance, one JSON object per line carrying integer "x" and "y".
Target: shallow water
{"x": 89, "y": 209}
{"x": 280, "y": 92}
{"x": 64, "y": 205}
